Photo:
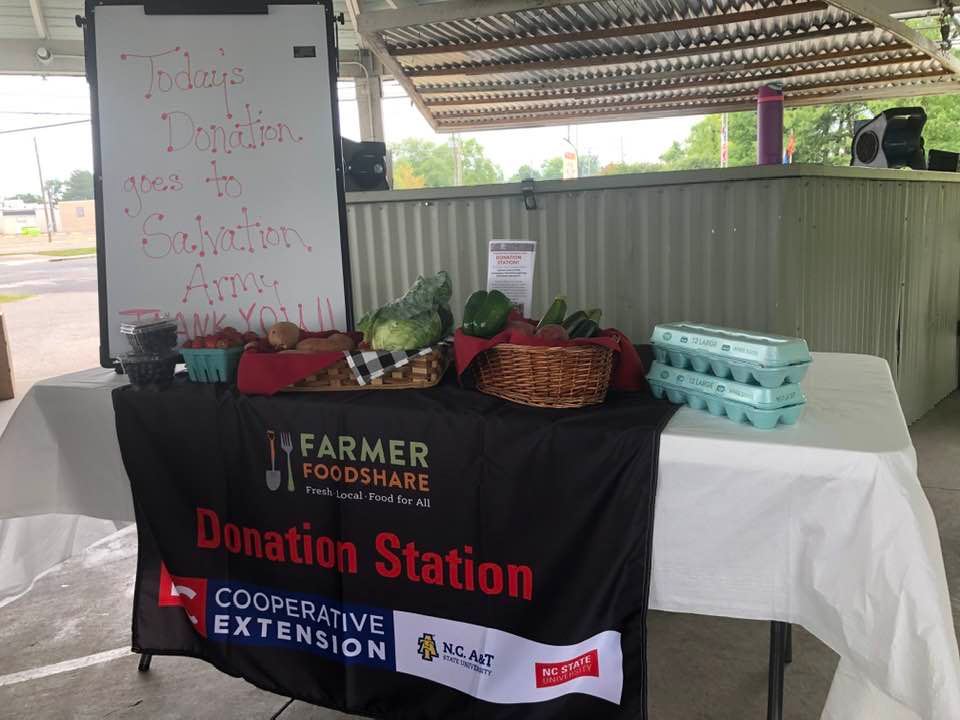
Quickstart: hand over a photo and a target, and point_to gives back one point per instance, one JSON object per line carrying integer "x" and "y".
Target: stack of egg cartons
{"x": 746, "y": 376}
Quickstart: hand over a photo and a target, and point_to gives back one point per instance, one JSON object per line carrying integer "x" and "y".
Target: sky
{"x": 29, "y": 101}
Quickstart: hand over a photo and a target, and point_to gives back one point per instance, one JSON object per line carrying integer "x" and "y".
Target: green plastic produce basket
{"x": 212, "y": 364}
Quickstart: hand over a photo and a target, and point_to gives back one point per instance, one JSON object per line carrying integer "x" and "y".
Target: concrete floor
{"x": 700, "y": 667}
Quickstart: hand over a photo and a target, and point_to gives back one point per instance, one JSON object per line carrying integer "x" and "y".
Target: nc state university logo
{"x": 557, "y": 673}
{"x": 187, "y": 593}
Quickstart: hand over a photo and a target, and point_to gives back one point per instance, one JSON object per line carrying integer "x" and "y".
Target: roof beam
{"x": 393, "y": 67}
{"x": 858, "y": 82}
{"x": 675, "y": 79}
{"x": 735, "y": 105}
{"x": 867, "y": 10}
{"x": 631, "y": 58}
{"x": 762, "y": 42}
{"x": 618, "y": 32}
{"x": 353, "y": 12}
{"x": 666, "y": 109}
{"x": 894, "y": 91}
{"x": 450, "y": 11}
{"x": 39, "y": 21}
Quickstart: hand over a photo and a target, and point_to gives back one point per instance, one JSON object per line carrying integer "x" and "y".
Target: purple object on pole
{"x": 770, "y": 125}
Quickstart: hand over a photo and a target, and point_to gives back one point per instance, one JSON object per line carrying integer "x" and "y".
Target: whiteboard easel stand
{"x": 86, "y": 23}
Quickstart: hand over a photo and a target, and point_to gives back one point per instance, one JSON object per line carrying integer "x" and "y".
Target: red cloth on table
{"x": 628, "y": 371}
{"x": 268, "y": 372}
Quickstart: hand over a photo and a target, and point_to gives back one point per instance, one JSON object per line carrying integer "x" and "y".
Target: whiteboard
{"x": 219, "y": 194}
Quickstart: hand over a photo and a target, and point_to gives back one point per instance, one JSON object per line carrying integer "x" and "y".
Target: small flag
{"x": 790, "y": 149}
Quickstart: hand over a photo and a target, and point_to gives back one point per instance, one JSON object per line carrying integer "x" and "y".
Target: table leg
{"x": 788, "y": 646}
{"x": 778, "y": 641}
{"x": 144, "y": 665}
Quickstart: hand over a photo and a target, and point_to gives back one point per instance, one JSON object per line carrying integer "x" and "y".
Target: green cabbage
{"x": 416, "y": 332}
{"x": 421, "y": 316}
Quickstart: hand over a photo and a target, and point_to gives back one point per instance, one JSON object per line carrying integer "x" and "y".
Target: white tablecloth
{"x": 824, "y": 524}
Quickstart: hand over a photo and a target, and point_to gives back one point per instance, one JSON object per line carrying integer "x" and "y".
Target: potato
{"x": 335, "y": 343}
{"x": 316, "y": 345}
{"x": 283, "y": 335}
{"x": 345, "y": 342}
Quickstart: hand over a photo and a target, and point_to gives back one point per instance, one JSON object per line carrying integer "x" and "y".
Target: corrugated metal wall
{"x": 850, "y": 263}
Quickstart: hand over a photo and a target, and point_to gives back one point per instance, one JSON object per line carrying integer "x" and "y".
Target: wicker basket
{"x": 421, "y": 372}
{"x": 553, "y": 377}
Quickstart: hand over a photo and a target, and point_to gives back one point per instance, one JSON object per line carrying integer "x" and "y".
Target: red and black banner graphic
{"x": 434, "y": 554}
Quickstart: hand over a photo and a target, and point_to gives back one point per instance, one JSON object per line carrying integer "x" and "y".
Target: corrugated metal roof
{"x": 541, "y": 64}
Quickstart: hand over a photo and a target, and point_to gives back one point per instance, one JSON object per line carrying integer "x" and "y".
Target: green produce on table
{"x": 595, "y": 315}
{"x": 446, "y": 319}
{"x": 420, "y": 317}
{"x": 416, "y": 332}
{"x": 584, "y": 328}
{"x": 555, "y": 313}
{"x": 573, "y": 319}
{"x": 486, "y": 313}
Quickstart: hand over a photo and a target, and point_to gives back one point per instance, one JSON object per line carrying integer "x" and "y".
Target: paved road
{"x": 19, "y": 276}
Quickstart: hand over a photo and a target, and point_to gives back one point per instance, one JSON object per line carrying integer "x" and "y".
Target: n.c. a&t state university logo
{"x": 427, "y": 647}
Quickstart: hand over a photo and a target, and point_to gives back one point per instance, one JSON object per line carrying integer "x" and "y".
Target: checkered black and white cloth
{"x": 368, "y": 365}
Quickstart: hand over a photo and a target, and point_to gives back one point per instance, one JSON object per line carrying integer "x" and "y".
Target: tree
{"x": 434, "y": 162}
{"x": 700, "y": 149}
{"x": 28, "y": 198}
{"x": 404, "y": 178}
{"x": 587, "y": 164}
{"x": 525, "y": 172}
{"x": 79, "y": 186}
{"x": 55, "y": 189}
{"x": 621, "y": 168}
{"x": 823, "y": 132}
{"x": 552, "y": 168}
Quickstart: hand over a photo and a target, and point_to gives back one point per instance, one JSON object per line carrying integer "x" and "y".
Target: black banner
{"x": 434, "y": 554}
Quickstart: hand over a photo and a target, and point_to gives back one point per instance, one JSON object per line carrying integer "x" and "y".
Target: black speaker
{"x": 364, "y": 165}
{"x": 892, "y": 139}
{"x": 943, "y": 161}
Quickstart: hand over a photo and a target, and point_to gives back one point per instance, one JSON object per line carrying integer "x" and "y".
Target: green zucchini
{"x": 573, "y": 320}
{"x": 485, "y": 313}
{"x": 555, "y": 313}
{"x": 584, "y": 328}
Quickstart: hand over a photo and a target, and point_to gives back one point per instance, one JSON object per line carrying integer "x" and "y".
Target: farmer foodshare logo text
{"x": 344, "y": 464}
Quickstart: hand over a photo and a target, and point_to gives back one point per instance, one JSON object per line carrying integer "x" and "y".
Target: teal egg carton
{"x": 738, "y": 412}
{"x": 209, "y": 365}
{"x": 741, "y": 372}
{"x": 755, "y": 396}
{"x": 763, "y": 349}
